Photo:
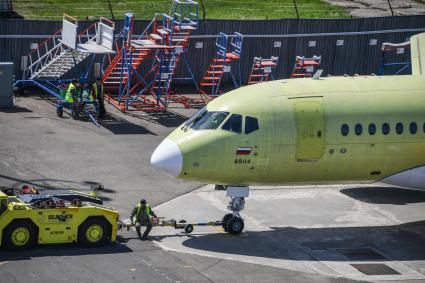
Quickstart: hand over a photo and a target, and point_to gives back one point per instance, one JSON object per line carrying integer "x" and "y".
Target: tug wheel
{"x": 20, "y": 235}
{"x": 93, "y": 232}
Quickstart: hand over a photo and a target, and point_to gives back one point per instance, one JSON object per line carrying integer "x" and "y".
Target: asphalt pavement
{"x": 292, "y": 238}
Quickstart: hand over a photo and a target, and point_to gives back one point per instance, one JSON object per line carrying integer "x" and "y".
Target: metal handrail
{"x": 145, "y": 31}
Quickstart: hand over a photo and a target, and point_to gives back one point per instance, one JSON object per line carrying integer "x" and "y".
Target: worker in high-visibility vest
{"x": 142, "y": 215}
{"x": 71, "y": 93}
{"x": 97, "y": 92}
{"x": 72, "y": 98}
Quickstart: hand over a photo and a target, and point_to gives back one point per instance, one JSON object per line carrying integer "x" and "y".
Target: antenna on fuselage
{"x": 317, "y": 75}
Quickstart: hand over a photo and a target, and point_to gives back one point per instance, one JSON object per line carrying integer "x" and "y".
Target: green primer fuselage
{"x": 299, "y": 140}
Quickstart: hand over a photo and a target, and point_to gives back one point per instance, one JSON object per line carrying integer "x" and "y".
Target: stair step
{"x": 155, "y": 36}
{"x": 221, "y": 60}
{"x": 214, "y": 72}
{"x": 211, "y": 78}
{"x": 184, "y": 27}
{"x": 216, "y": 66}
{"x": 256, "y": 76}
{"x": 208, "y": 84}
{"x": 162, "y": 32}
{"x": 113, "y": 82}
{"x": 298, "y": 75}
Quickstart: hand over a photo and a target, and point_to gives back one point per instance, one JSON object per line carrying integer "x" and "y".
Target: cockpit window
{"x": 251, "y": 124}
{"x": 233, "y": 124}
{"x": 208, "y": 120}
{"x": 196, "y": 116}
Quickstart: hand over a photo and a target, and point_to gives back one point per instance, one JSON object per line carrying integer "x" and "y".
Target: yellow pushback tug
{"x": 55, "y": 221}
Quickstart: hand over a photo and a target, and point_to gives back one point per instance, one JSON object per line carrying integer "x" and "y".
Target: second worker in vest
{"x": 141, "y": 215}
{"x": 97, "y": 92}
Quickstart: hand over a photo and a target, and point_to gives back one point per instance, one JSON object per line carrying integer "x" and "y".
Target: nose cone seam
{"x": 168, "y": 158}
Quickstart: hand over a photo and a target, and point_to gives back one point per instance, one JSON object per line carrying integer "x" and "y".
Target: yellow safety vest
{"x": 94, "y": 85}
{"x": 68, "y": 96}
{"x": 139, "y": 207}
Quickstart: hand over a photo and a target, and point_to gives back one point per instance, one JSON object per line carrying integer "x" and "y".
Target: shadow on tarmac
{"x": 397, "y": 242}
{"x": 16, "y": 109}
{"x": 167, "y": 119}
{"x": 63, "y": 250}
{"x": 385, "y": 195}
{"x": 120, "y": 126}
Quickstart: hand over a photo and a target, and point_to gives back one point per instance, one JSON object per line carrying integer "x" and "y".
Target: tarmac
{"x": 292, "y": 234}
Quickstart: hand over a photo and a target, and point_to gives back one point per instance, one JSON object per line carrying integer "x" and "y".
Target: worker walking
{"x": 97, "y": 92}
{"x": 141, "y": 216}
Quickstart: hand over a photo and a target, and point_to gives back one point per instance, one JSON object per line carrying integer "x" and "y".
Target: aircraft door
{"x": 310, "y": 130}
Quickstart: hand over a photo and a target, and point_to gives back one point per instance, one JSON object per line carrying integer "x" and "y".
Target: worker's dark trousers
{"x": 102, "y": 110}
{"x": 148, "y": 228}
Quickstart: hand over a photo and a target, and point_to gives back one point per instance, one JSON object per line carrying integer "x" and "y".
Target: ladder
{"x": 221, "y": 64}
{"x": 392, "y": 67}
{"x": 305, "y": 67}
{"x": 262, "y": 70}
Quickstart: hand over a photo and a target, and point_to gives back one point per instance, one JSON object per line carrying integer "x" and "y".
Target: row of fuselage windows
{"x": 385, "y": 128}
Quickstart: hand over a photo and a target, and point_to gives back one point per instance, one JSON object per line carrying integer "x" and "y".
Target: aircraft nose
{"x": 167, "y": 157}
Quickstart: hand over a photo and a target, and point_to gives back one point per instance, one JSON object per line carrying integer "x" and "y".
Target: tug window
{"x": 233, "y": 124}
{"x": 413, "y": 127}
{"x": 358, "y": 129}
{"x": 399, "y": 128}
{"x": 208, "y": 120}
{"x": 372, "y": 129}
{"x": 345, "y": 130}
{"x": 385, "y": 128}
{"x": 251, "y": 124}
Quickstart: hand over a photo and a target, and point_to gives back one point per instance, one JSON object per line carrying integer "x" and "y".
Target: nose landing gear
{"x": 233, "y": 222}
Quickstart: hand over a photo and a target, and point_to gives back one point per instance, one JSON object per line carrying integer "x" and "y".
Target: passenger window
{"x": 233, "y": 124}
{"x": 372, "y": 129}
{"x": 345, "y": 130}
{"x": 251, "y": 124}
{"x": 413, "y": 128}
{"x": 399, "y": 128}
{"x": 385, "y": 128}
{"x": 358, "y": 129}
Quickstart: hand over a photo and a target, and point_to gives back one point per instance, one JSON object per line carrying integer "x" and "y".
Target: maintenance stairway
{"x": 305, "y": 67}
{"x": 262, "y": 70}
{"x": 66, "y": 49}
{"x": 140, "y": 75}
{"x": 221, "y": 64}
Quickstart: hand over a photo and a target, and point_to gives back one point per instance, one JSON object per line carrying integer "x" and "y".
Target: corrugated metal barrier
{"x": 347, "y": 46}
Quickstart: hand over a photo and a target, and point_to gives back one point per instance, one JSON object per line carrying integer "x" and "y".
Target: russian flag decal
{"x": 243, "y": 151}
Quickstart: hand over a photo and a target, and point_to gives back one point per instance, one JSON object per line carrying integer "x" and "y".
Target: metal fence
{"x": 347, "y": 46}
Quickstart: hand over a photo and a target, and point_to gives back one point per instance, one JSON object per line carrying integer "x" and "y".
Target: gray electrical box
{"x": 6, "y": 85}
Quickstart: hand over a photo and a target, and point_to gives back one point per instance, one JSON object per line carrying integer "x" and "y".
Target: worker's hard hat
{"x": 142, "y": 200}
{"x": 25, "y": 189}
